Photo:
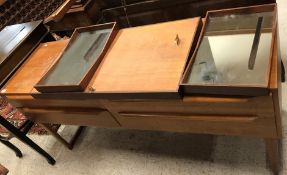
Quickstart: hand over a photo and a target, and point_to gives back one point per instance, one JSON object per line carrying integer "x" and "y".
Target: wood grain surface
{"x": 2, "y": 2}
{"x": 34, "y": 68}
{"x": 147, "y": 58}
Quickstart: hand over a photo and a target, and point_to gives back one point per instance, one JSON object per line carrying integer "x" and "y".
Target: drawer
{"x": 249, "y": 125}
{"x": 259, "y": 106}
{"x": 72, "y": 116}
{"x": 21, "y": 101}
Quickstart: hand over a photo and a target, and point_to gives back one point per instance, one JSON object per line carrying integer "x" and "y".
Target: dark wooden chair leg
{"x": 21, "y": 136}
{"x": 69, "y": 144}
{"x": 12, "y": 147}
{"x": 273, "y": 159}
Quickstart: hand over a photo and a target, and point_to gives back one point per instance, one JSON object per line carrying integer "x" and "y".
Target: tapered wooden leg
{"x": 68, "y": 144}
{"x": 273, "y": 155}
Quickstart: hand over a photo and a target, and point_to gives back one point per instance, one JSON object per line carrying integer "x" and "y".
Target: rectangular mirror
{"x": 235, "y": 51}
{"x": 78, "y": 62}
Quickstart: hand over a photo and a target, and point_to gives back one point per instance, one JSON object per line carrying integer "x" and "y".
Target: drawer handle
{"x": 205, "y": 118}
{"x": 67, "y": 111}
{"x": 177, "y": 40}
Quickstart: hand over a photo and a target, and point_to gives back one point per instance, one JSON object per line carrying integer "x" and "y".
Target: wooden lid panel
{"x": 34, "y": 68}
{"x": 146, "y": 59}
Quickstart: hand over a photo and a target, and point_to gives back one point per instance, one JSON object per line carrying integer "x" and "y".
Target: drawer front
{"x": 21, "y": 101}
{"x": 72, "y": 116}
{"x": 210, "y": 115}
{"x": 249, "y": 125}
{"x": 259, "y": 106}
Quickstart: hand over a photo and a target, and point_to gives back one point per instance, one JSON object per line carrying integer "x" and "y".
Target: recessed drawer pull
{"x": 205, "y": 118}
{"x": 74, "y": 116}
{"x": 62, "y": 110}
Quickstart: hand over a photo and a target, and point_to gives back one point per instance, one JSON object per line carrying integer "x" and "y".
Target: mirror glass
{"x": 235, "y": 50}
{"x": 81, "y": 54}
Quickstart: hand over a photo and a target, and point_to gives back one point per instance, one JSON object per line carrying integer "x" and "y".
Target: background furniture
{"x": 66, "y": 15}
{"x": 130, "y": 13}
{"x": 72, "y": 14}
{"x": 21, "y": 11}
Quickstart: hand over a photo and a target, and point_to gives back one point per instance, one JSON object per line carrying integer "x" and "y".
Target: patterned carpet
{"x": 17, "y": 118}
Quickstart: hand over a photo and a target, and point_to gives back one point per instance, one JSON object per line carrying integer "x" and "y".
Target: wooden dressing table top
{"x": 153, "y": 63}
{"x": 34, "y": 68}
{"x": 146, "y": 58}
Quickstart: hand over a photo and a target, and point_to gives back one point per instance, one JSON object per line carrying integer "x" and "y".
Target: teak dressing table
{"x": 122, "y": 91}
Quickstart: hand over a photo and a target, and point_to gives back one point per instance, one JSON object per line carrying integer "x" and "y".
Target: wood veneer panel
{"x": 75, "y": 116}
{"x": 147, "y": 58}
{"x": 34, "y": 68}
{"x": 222, "y": 125}
{"x": 196, "y": 105}
{"x": 28, "y": 101}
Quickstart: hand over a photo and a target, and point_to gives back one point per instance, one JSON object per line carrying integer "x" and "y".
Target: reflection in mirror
{"x": 235, "y": 50}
